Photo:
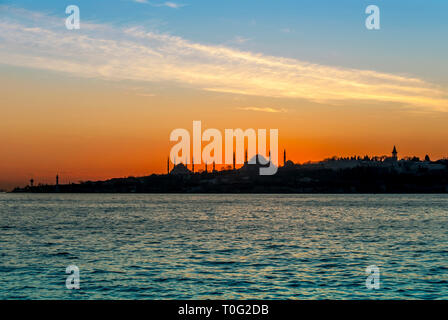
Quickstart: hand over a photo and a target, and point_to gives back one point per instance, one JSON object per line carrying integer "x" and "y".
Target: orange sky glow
{"x": 87, "y": 129}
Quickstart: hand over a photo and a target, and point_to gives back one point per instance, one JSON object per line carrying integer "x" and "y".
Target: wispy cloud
{"x": 173, "y": 5}
{"x": 162, "y": 4}
{"x": 41, "y": 41}
{"x": 240, "y": 39}
{"x": 262, "y": 109}
{"x": 141, "y": 91}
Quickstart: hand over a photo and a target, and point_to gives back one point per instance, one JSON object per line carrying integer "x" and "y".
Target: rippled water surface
{"x": 131, "y": 246}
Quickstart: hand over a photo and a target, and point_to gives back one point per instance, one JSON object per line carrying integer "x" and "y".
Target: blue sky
{"x": 412, "y": 38}
{"x": 319, "y": 51}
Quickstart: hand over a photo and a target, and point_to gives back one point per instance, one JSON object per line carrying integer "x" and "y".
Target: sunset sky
{"x": 100, "y": 102}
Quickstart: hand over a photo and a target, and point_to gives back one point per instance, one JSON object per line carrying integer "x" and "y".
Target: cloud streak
{"x": 40, "y": 41}
{"x": 168, "y": 4}
{"x": 262, "y": 109}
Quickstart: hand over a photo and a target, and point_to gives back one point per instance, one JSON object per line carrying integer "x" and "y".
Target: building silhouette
{"x": 180, "y": 169}
{"x": 394, "y": 154}
{"x": 354, "y": 174}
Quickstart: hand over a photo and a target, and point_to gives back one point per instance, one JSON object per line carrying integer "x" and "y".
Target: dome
{"x": 180, "y": 169}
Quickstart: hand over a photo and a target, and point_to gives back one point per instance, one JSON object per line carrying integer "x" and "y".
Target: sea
{"x": 226, "y": 246}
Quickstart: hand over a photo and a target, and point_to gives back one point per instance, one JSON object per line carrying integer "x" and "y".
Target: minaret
{"x": 168, "y": 165}
{"x": 57, "y": 179}
{"x": 284, "y": 157}
{"x": 245, "y": 157}
{"x": 206, "y": 167}
{"x": 214, "y": 166}
{"x": 234, "y": 165}
{"x": 192, "y": 165}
